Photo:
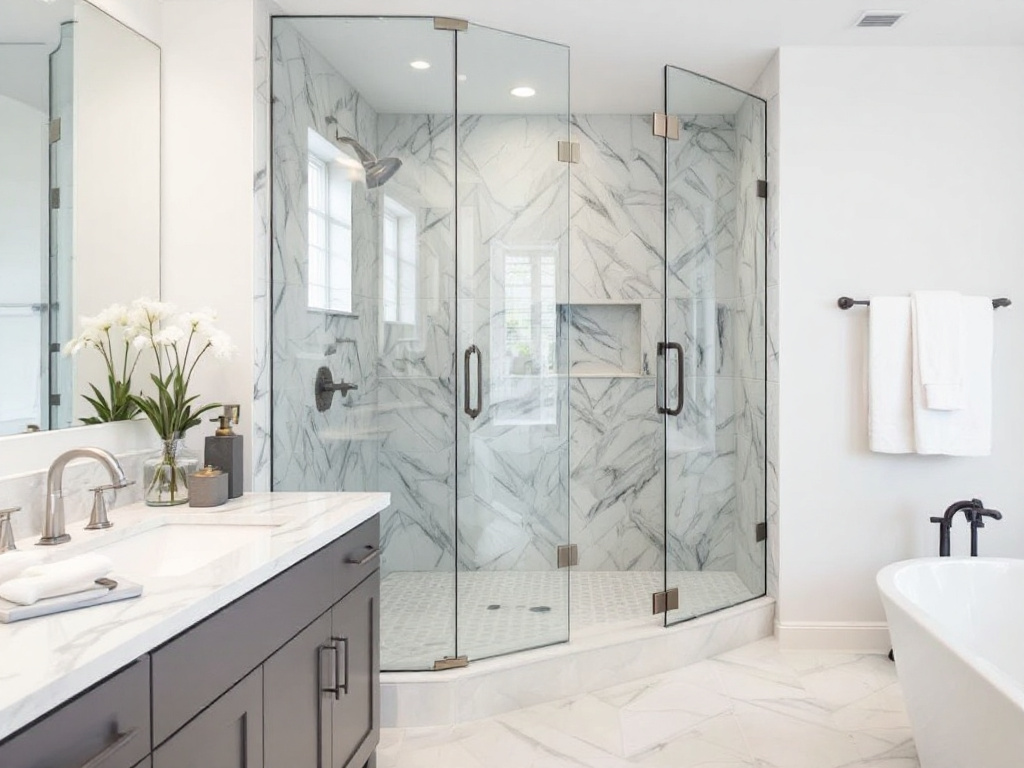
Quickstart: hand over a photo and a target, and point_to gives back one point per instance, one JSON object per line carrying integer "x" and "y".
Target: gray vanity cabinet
{"x": 355, "y": 705}
{"x": 105, "y": 727}
{"x": 297, "y": 718}
{"x": 227, "y": 734}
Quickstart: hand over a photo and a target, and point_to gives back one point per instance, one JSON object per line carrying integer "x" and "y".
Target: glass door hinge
{"x": 568, "y": 152}
{"x": 663, "y": 602}
{"x": 666, "y": 126}
{"x": 450, "y": 25}
{"x": 761, "y": 532}
{"x": 762, "y": 188}
{"x": 55, "y": 130}
{"x": 451, "y": 662}
{"x": 568, "y": 554}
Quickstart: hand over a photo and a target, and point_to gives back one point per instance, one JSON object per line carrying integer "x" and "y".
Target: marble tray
{"x": 11, "y": 612}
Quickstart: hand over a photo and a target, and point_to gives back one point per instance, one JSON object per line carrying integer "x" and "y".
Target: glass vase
{"x": 166, "y": 473}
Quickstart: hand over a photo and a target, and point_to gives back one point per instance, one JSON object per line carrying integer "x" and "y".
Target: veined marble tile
{"x": 605, "y": 339}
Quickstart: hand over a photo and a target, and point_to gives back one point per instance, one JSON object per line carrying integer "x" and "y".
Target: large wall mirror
{"x": 79, "y": 196}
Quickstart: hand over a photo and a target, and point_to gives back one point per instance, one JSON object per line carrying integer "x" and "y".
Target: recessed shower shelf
{"x": 604, "y": 339}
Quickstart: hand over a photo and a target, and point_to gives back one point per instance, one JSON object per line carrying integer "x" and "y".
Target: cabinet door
{"x": 296, "y": 714}
{"x": 227, "y": 734}
{"x": 355, "y": 704}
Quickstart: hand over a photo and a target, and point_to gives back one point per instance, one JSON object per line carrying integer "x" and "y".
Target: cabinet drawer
{"x": 360, "y": 556}
{"x": 110, "y": 720}
{"x": 196, "y": 667}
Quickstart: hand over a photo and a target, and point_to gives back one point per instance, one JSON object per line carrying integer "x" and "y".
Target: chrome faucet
{"x": 53, "y": 523}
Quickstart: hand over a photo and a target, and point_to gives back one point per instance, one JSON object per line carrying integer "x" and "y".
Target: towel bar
{"x": 845, "y": 302}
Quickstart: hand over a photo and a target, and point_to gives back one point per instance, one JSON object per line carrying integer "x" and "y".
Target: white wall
{"x": 900, "y": 168}
{"x": 144, "y": 16}
{"x": 207, "y": 254}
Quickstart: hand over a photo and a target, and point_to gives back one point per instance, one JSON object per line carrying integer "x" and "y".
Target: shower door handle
{"x": 663, "y": 348}
{"x": 471, "y": 350}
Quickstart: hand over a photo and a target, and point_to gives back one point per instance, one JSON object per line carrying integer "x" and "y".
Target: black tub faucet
{"x": 975, "y": 511}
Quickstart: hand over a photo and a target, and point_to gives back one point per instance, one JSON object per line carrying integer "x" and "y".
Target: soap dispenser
{"x": 224, "y": 450}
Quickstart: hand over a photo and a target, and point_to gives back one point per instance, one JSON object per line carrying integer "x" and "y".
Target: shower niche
{"x": 506, "y": 325}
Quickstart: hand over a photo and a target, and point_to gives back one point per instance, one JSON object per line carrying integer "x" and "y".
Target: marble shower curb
{"x": 589, "y": 663}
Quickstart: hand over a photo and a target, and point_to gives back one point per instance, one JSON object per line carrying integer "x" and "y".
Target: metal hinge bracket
{"x": 666, "y": 126}
{"x": 568, "y": 152}
{"x": 568, "y": 554}
{"x": 451, "y": 662}
{"x": 54, "y": 399}
{"x": 762, "y": 188}
{"x": 55, "y": 346}
{"x": 55, "y": 130}
{"x": 761, "y": 532}
{"x": 54, "y": 198}
{"x": 663, "y": 602}
{"x": 450, "y": 25}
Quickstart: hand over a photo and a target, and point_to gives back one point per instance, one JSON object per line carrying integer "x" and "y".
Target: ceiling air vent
{"x": 879, "y": 19}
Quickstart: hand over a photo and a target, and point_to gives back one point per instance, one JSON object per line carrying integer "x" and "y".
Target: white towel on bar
{"x": 890, "y": 409}
{"x": 966, "y": 432}
{"x": 938, "y": 330}
{"x": 76, "y": 574}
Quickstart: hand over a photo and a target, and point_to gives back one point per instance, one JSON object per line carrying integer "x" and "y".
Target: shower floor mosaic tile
{"x": 755, "y": 707}
{"x": 500, "y": 612}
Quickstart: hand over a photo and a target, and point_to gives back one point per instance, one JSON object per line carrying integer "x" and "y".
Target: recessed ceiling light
{"x": 523, "y": 91}
{"x": 880, "y": 19}
{"x": 462, "y": 78}
{"x": 419, "y": 64}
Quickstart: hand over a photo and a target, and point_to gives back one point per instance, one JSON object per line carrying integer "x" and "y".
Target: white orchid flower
{"x": 221, "y": 346}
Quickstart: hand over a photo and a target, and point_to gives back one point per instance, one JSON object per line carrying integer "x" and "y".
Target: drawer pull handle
{"x": 122, "y": 740}
{"x": 372, "y": 554}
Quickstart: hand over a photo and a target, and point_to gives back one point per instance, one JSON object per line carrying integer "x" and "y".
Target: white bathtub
{"x": 957, "y": 627}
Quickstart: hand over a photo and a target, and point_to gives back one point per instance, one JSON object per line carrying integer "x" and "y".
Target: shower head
{"x": 377, "y": 171}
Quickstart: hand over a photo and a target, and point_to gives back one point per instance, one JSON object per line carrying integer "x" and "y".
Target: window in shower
{"x": 399, "y": 263}
{"x": 330, "y": 228}
{"x": 524, "y": 386}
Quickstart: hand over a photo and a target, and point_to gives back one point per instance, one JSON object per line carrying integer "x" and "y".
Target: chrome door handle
{"x": 471, "y": 350}
{"x": 122, "y": 740}
{"x": 663, "y": 347}
{"x": 320, "y": 668}
{"x": 372, "y": 554}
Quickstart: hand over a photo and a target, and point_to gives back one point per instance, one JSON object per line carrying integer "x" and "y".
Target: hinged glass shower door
{"x": 420, "y": 220}
{"x": 714, "y": 357}
{"x": 513, "y": 265}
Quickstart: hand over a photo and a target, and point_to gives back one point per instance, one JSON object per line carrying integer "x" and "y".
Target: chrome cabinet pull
{"x": 320, "y": 668}
{"x": 371, "y": 555}
{"x": 471, "y": 350}
{"x": 123, "y": 739}
{"x": 663, "y": 348}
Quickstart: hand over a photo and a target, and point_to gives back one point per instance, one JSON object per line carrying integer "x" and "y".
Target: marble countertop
{"x": 45, "y": 661}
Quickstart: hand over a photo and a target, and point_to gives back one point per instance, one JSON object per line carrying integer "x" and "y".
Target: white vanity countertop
{"x": 47, "y": 660}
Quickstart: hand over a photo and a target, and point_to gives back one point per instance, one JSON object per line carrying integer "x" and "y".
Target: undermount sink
{"x": 178, "y": 549}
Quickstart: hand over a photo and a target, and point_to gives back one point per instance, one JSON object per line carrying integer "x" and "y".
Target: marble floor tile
{"x": 755, "y": 707}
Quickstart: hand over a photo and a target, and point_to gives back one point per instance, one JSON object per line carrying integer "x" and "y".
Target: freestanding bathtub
{"x": 957, "y": 628}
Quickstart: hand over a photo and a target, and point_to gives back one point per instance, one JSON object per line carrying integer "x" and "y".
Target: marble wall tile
{"x": 617, "y": 220}
{"x": 605, "y": 339}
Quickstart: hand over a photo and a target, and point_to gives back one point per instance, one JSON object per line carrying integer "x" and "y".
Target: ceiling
{"x": 619, "y": 47}
{"x": 33, "y": 21}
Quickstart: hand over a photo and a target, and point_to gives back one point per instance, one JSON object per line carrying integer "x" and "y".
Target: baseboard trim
{"x": 855, "y": 636}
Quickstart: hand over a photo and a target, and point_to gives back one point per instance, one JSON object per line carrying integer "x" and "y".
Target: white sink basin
{"x": 177, "y": 549}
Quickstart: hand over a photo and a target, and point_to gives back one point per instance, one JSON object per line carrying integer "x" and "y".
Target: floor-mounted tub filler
{"x": 958, "y": 638}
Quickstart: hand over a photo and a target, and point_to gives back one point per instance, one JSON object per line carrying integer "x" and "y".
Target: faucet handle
{"x": 98, "y": 517}
{"x": 6, "y": 532}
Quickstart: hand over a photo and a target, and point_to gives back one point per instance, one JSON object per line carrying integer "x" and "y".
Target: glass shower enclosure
{"x": 420, "y": 220}
{"x": 546, "y": 331}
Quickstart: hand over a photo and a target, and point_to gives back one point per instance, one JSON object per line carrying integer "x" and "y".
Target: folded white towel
{"x": 66, "y": 577}
{"x": 966, "y": 432}
{"x": 14, "y": 562}
{"x": 890, "y": 410}
{"x": 939, "y": 348}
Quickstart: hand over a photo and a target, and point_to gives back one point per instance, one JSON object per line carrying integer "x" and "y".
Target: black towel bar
{"x": 845, "y": 302}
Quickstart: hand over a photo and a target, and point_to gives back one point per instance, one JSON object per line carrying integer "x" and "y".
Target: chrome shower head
{"x": 377, "y": 171}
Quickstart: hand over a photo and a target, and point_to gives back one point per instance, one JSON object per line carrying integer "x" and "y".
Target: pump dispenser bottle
{"x": 224, "y": 450}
